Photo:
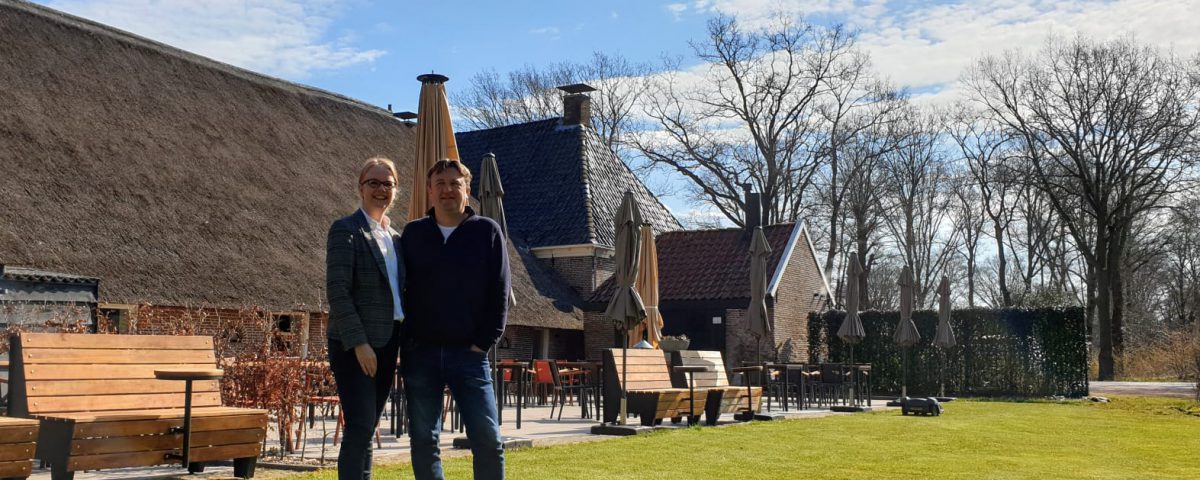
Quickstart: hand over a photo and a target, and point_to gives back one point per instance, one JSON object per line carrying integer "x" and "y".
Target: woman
{"x": 364, "y": 276}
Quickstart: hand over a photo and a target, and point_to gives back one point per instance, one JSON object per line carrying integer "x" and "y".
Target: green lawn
{"x": 1129, "y": 438}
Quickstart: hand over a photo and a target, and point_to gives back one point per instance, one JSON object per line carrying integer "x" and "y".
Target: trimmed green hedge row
{"x": 1001, "y": 352}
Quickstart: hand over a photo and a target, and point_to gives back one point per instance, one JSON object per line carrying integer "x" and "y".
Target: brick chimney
{"x": 577, "y": 105}
{"x": 753, "y": 213}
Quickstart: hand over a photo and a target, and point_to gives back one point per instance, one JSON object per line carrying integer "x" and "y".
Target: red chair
{"x": 543, "y": 380}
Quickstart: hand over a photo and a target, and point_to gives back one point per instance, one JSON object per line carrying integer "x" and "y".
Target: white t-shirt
{"x": 446, "y": 231}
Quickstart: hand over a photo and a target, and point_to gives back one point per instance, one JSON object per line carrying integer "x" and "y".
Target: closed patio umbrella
{"x": 491, "y": 205}
{"x": 435, "y": 139}
{"x": 760, "y": 323}
{"x": 647, "y": 287}
{"x": 944, "y": 338}
{"x": 625, "y": 309}
{"x": 852, "y": 331}
{"x": 906, "y": 333}
{"x": 491, "y": 200}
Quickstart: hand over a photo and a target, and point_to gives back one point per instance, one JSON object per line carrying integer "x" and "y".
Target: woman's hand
{"x": 366, "y": 359}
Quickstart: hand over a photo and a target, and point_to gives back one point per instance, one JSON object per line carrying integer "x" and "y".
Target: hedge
{"x": 1000, "y": 352}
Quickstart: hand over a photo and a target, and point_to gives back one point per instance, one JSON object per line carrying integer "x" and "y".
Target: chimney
{"x": 577, "y": 105}
{"x": 753, "y": 213}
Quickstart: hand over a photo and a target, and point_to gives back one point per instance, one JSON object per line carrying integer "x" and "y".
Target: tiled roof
{"x": 708, "y": 264}
{"x": 562, "y": 185}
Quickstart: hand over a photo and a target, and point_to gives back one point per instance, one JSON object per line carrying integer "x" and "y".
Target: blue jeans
{"x": 427, "y": 371}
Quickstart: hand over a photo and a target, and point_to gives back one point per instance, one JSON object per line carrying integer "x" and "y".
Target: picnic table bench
{"x": 648, "y": 388}
{"x": 100, "y": 405}
{"x": 722, "y": 397}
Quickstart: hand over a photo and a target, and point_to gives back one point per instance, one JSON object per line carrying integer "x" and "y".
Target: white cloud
{"x": 676, "y": 10}
{"x": 925, "y": 46}
{"x": 544, "y": 31}
{"x": 286, "y": 38}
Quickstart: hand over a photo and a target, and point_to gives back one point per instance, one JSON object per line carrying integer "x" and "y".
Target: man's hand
{"x": 366, "y": 359}
{"x": 476, "y": 349}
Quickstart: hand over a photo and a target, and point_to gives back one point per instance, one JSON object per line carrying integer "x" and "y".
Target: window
{"x": 120, "y": 317}
{"x": 291, "y": 333}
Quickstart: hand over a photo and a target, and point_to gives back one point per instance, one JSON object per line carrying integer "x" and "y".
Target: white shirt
{"x": 383, "y": 239}
{"x": 446, "y": 231}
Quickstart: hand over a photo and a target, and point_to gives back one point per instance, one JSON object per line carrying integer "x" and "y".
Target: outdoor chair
{"x": 567, "y": 383}
{"x": 831, "y": 387}
{"x": 543, "y": 380}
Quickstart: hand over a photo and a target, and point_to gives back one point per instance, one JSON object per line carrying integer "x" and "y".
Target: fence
{"x": 1001, "y": 352}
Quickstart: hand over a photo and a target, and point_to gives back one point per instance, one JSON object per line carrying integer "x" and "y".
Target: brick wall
{"x": 598, "y": 334}
{"x": 244, "y": 329}
{"x": 582, "y": 273}
{"x": 794, "y": 300}
{"x": 523, "y": 343}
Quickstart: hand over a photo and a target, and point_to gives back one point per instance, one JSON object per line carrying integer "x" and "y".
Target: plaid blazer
{"x": 356, "y": 284}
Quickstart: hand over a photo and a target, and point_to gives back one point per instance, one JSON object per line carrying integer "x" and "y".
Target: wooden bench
{"x": 649, "y": 392}
{"x": 17, "y": 443}
{"x": 100, "y": 405}
{"x": 722, "y": 397}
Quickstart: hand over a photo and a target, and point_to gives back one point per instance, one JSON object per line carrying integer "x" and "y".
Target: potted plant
{"x": 672, "y": 343}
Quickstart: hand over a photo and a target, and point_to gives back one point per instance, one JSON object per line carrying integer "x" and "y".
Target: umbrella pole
{"x": 853, "y": 381}
{"x": 904, "y": 376}
{"x": 942, "y": 374}
{"x": 624, "y": 382}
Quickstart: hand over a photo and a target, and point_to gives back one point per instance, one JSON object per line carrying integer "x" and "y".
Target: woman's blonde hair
{"x": 373, "y": 161}
{"x": 376, "y": 161}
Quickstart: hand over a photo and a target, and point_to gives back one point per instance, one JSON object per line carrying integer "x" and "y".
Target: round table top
{"x": 189, "y": 373}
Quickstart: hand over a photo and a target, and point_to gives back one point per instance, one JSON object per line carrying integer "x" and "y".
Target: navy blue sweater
{"x": 456, "y": 291}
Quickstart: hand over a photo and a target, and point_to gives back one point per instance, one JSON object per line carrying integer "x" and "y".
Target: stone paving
{"x": 1144, "y": 389}
{"x": 535, "y": 426}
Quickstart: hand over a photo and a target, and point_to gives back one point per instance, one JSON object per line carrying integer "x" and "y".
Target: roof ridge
{"x": 482, "y": 131}
{"x": 160, "y": 47}
{"x": 585, "y": 173}
{"x": 726, "y": 229}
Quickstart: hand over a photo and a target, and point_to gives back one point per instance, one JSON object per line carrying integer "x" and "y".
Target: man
{"x": 457, "y": 303}
{"x": 364, "y": 278}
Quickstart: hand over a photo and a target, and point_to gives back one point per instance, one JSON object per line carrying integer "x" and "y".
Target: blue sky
{"x": 372, "y": 50}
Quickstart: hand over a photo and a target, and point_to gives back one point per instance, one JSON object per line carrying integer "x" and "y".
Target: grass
{"x": 1131, "y": 437}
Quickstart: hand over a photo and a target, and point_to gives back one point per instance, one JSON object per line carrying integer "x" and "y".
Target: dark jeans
{"x": 362, "y": 400}
{"x": 427, "y": 371}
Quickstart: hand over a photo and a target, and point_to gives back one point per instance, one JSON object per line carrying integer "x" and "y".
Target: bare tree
{"x": 969, "y": 222}
{"x": 857, "y": 109}
{"x": 919, "y": 202}
{"x": 531, "y": 93}
{"x": 985, "y": 148}
{"x": 1111, "y": 129}
{"x": 751, "y": 116}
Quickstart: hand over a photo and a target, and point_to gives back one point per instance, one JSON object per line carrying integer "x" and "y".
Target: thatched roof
{"x": 184, "y": 181}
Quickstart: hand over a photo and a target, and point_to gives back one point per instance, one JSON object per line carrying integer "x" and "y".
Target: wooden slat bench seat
{"x": 649, "y": 392}
{"x": 100, "y": 405}
{"x": 722, "y": 397}
{"x": 18, "y": 438}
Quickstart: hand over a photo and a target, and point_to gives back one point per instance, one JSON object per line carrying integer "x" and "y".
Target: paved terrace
{"x": 535, "y": 426}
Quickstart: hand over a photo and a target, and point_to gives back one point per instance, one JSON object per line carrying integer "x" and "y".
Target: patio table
{"x": 593, "y": 375}
{"x": 188, "y": 375}
{"x": 691, "y": 370}
{"x": 518, "y": 370}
